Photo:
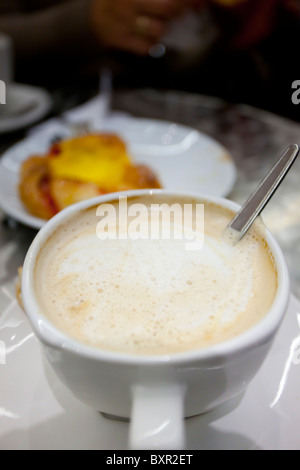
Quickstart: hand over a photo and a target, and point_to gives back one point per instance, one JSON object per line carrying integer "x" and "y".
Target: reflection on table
{"x": 255, "y": 140}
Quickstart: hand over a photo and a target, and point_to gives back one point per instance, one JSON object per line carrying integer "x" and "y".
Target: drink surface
{"x": 153, "y": 296}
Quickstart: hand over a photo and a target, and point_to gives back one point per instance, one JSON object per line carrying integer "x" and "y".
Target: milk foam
{"x": 154, "y": 296}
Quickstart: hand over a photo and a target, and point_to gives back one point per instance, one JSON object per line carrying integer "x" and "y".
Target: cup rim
{"x": 259, "y": 334}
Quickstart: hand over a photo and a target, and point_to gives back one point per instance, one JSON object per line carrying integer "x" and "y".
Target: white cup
{"x": 155, "y": 392}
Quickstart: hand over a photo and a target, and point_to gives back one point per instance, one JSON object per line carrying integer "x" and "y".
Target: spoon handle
{"x": 261, "y": 196}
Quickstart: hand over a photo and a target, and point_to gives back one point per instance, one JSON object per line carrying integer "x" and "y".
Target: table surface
{"x": 267, "y": 417}
{"x": 255, "y": 140}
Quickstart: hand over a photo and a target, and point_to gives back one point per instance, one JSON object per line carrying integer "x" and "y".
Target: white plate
{"x": 37, "y": 412}
{"x": 183, "y": 159}
{"x": 25, "y": 106}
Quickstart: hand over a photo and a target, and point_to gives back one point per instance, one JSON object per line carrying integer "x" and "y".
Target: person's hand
{"x": 132, "y": 25}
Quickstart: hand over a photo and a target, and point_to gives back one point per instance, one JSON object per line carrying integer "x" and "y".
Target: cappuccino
{"x": 152, "y": 296}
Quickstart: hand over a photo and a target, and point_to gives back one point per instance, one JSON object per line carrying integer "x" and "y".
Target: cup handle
{"x": 157, "y": 418}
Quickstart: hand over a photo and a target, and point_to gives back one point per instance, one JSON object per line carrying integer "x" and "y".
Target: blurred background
{"x": 244, "y": 51}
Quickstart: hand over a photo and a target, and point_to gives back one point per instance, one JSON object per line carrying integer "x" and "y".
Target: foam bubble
{"x": 153, "y": 296}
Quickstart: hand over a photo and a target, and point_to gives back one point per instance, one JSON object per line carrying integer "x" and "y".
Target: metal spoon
{"x": 261, "y": 196}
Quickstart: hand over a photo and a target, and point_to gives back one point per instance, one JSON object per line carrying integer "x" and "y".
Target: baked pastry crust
{"x": 79, "y": 169}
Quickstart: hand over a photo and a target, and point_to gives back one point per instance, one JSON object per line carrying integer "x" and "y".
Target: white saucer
{"x": 38, "y": 413}
{"x": 25, "y": 106}
{"x": 183, "y": 158}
